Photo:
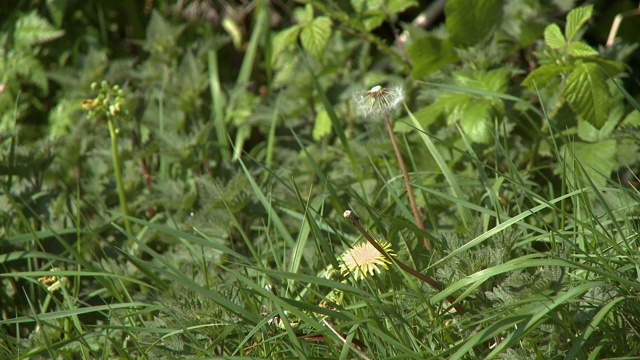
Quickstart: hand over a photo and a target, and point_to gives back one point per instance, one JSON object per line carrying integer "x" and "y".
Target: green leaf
{"x": 284, "y": 39}
{"x": 494, "y": 80}
{"x": 31, "y": 29}
{"x": 322, "y": 125}
{"x": 475, "y": 121}
{"x": 315, "y": 36}
{"x": 429, "y": 54}
{"x": 469, "y": 22}
{"x": 575, "y": 19}
{"x": 362, "y": 6}
{"x": 581, "y": 49}
{"x": 397, "y": 6}
{"x": 553, "y": 37}
{"x": 541, "y": 76}
{"x": 372, "y": 19}
{"x": 598, "y": 159}
{"x": 609, "y": 66}
{"x": 587, "y": 93}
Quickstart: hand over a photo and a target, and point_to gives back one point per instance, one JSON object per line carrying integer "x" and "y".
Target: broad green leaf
{"x": 284, "y": 39}
{"x": 541, "y": 76}
{"x": 494, "y": 80}
{"x": 597, "y": 159}
{"x": 553, "y": 37}
{"x": 469, "y": 22}
{"x": 397, "y": 6}
{"x": 581, "y": 49}
{"x": 428, "y": 54}
{"x": 475, "y": 121}
{"x": 31, "y": 29}
{"x": 587, "y": 93}
{"x": 315, "y": 36}
{"x": 372, "y": 19}
{"x": 362, "y": 6}
{"x": 609, "y": 66}
{"x": 575, "y": 19}
{"x": 322, "y": 125}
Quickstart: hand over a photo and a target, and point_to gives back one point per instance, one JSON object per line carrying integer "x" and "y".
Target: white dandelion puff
{"x": 378, "y": 101}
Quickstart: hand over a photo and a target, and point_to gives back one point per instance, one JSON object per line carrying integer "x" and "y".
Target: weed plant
{"x": 195, "y": 180}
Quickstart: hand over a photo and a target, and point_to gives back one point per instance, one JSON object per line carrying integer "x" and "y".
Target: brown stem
{"x": 405, "y": 175}
{"x": 426, "y": 278}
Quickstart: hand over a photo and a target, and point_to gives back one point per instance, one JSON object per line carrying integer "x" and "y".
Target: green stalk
{"x": 116, "y": 166}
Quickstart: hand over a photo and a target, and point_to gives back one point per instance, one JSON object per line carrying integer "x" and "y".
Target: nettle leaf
{"x": 553, "y": 37}
{"x": 609, "y": 66}
{"x": 472, "y": 113}
{"x": 322, "y": 125}
{"x": 543, "y": 75}
{"x": 587, "y": 93}
{"x": 475, "y": 121}
{"x": 598, "y": 159}
{"x": 429, "y": 54}
{"x": 315, "y": 36}
{"x": 284, "y": 39}
{"x": 31, "y": 29}
{"x": 581, "y": 49}
{"x": 469, "y": 22}
{"x": 494, "y": 80}
{"x": 576, "y": 19}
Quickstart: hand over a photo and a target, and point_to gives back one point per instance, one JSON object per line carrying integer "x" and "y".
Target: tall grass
{"x": 540, "y": 275}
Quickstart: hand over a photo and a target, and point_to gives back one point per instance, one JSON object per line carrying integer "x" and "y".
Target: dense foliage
{"x": 174, "y": 175}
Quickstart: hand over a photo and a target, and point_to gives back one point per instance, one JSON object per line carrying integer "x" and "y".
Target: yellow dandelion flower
{"x": 53, "y": 282}
{"x": 363, "y": 260}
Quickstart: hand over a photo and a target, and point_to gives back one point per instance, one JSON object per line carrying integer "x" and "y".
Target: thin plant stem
{"x": 407, "y": 183}
{"x": 118, "y": 172}
{"x": 426, "y": 278}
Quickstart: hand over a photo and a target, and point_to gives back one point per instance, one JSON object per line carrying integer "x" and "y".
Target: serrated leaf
{"x": 429, "y": 54}
{"x": 576, "y": 19}
{"x": 475, "y": 121}
{"x": 322, "y": 125}
{"x": 597, "y": 159}
{"x": 581, "y": 49}
{"x": 32, "y": 71}
{"x": 469, "y": 22}
{"x": 31, "y": 29}
{"x": 587, "y": 93}
{"x": 609, "y": 66}
{"x": 161, "y": 34}
{"x": 410, "y": 248}
{"x": 541, "y": 76}
{"x": 553, "y": 37}
{"x": 284, "y": 39}
{"x": 315, "y": 36}
{"x": 494, "y": 80}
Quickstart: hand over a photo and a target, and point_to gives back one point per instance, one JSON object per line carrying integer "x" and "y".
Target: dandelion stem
{"x": 407, "y": 183}
{"x": 426, "y": 278}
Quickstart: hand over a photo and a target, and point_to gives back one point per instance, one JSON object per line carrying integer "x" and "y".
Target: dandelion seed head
{"x": 365, "y": 260}
{"x": 378, "y": 101}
